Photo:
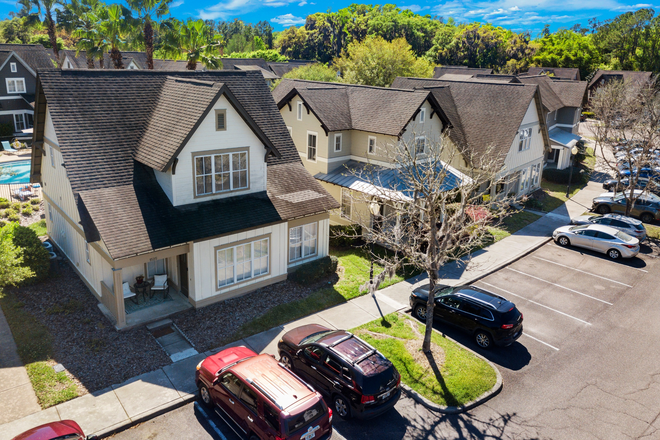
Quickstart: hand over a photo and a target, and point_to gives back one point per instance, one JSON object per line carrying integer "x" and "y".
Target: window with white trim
{"x": 15, "y": 85}
{"x": 19, "y": 122}
{"x": 346, "y": 203}
{"x": 242, "y": 262}
{"x": 218, "y": 173}
{"x": 87, "y": 253}
{"x": 535, "y": 174}
{"x": 311, "y": 145}
{"x": 420, "y": 145}
{"x": 12, "y": 67}
{"x": 302, "y": 241}
{"x": 422, "y": 115}
{"x": 51, "y": 152}
{"x": 524, "y": 179}
{"x": 299, "y": 109}
{"x": 371, "y": 145}
{"x": 29, "y": 119}
{"x": 525, "y": 139}
{"x": 156, "y": 267}
{"x": 338, "y": 142}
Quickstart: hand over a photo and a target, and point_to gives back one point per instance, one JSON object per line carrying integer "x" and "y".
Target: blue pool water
{"x": 15, "y": 172}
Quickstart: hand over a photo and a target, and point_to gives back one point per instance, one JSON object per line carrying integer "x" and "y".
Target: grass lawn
{"x": 652, "y": 231}
{"x": 452, "y": 376}
{"x": 34, "y": 348}
{"x": 556, "y": 192}
{"x": 39, "y": 227}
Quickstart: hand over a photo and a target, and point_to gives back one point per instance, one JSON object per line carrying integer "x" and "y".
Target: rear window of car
{"x": 623, "y": 236}
{"x": 511, "y": 315}
{"x": 374, "y": 364}
{"x": 306, "y": 417}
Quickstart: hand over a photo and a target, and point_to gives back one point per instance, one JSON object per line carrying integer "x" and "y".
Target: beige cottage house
{"x": 190, "y": 177}
{"x": 337, "y": 128}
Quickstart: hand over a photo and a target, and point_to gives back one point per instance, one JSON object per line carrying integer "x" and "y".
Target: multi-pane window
{"x": 299, "y": 109}
{"x": 535, "y": 174}
{"x": 346, "y": 203}
{"x": 371, "y": 146}
{"x": 420, "y": 145}
{"x": 87, "y": 253}
{"x": 338, "y": 141}
{"x": 311, "y": 146}
{"x": 19, "y": 121}
{"x": 525, "y": 178}
{"x": 525, "y": 139}
{"x": 156, "y": 267}
{"x": 242, "y": 262}
{"x": 15, "y": 85}
{"x": 302, "y": 241}
{"x": 221, "y": 172}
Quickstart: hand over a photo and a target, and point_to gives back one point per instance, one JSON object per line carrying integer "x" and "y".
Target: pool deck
{"x": 12, "y": 157}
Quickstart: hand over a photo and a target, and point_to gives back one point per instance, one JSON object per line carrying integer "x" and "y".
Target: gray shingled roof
{"x": 572, "y": 93}
{"x": 459, "y": 70}
{"x": 551, "y": 101}
{"x": 267, "y": 74}
{"x": 572, "y": 73}
{"x": 626, "y": 75}
{"x": 231, "y": 63}
{"x": 35, "y": 55}
{"x": 347, "y": 106}
{"x": 490, "y": 114}
{"x": 140, "y": 59}
{"x": 99, "y": 136}
{"x": 282, "y": 68}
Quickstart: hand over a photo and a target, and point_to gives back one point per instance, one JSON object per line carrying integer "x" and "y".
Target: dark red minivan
{"x": 260, "y": 399}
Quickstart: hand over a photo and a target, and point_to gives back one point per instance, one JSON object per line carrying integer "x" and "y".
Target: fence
{"x": 7, "y": 191}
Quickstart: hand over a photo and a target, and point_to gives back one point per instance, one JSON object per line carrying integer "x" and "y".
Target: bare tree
{"x": 627, "y": 134}
{"x": 425, "y": 211}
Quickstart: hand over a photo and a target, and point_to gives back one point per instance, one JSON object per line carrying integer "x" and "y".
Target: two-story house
{"x": 18, "y": 68}
{"x": 562, "y": 101}
{"x": 192, "y": 175}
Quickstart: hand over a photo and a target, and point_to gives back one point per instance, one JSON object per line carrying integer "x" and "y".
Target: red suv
{"x": 260, "y": 399}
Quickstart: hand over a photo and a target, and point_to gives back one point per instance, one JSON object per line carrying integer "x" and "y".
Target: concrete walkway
{"x": 145, "y": 396}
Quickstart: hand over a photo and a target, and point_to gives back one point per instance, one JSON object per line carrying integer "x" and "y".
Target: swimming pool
{"x": 15, "y": 172}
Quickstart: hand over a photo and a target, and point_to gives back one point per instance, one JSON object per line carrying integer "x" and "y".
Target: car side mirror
{"x": 298, "y": 352}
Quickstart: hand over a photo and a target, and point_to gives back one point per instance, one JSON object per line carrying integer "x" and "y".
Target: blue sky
{"x": 513, "y": 14}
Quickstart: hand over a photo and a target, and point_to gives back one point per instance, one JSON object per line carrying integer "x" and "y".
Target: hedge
{"x": 344, "y": 235}
{"x": 6, "y": 130}
{"x": 35, "y": 256}
{"x": 561, "y": 176}
{"x": 314, "y": 271}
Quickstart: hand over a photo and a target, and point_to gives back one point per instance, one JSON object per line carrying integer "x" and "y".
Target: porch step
{"x": 172, "y": 340}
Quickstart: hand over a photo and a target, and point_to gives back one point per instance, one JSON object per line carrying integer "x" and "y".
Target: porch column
{"x": 117, "y": 280}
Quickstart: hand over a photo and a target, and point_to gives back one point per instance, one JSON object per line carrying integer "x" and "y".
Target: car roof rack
{"x": 340, "y": 340}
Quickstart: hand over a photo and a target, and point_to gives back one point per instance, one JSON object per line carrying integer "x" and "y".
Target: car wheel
{"x": 205, "y": 396}
{"x": 563, "y": 241}
{"x": 285, "y": 359}
{"x": 603, "y": 209}
{"x": 420, "y": 312}
{"x": 614, "y": 254}
{"x": 483, "y": 339}
{"x": 646, "y": 218}
{"x": 341, "y": 405}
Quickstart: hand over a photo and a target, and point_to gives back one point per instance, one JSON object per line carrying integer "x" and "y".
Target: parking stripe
{"x": 538, "y": 340}
{"x": 620, "y": 264}
{"x": 534, "y": 302}
{"x": 211, "y": 422}
{"x": 582, "y": 271}
{"x": 560, "y": 286}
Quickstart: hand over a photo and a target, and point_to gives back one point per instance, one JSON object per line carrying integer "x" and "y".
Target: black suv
{"x": 359, "y": 381}
{"x": 490, "y": 318}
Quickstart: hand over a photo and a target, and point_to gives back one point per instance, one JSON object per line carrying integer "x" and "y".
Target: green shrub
{"x": 4, "y": 203}
{"x": 561, "y": 176}
{"x": 35, "y": 201}
{"x": 35, "y": 256}
{"x": 314, "y": 271}
{"x": 16, "y": 206}
{"x": 3, "y": 224}
{"x": 13, "y": 217}
{"x": 27, "y": 211}
{"x": 6, "y": 130}
{"x": 8, "y": 212}
{"x": 344, "y": 235}
{"x": 25, "y": 205}
{"x": 588, "y": 114}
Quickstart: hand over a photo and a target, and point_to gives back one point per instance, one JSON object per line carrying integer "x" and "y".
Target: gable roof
{"x": 103, "y": 141}
{"x": 480, "y": 77}
{"x": 232, "y": 63}
{"x": 551, "y": 101}
{"x": 572, "y": 73}
{"x": 490, "y": 113}
{"x": 439, "y": 71}
{"x": 280, "y": 69}
{"x": 267, "y": 74}
{"x": 33, "y": 56}
{"x": 572, "y": 93}
{"x": 337, "y": 106}
{"x": 625, "y": 75}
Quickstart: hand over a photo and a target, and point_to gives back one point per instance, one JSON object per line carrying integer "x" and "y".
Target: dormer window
{"x": 221, "y": 172}
{"x": 422, "y": 115}
{"x": 12, "y": 67}
{"x": 221, "y": 120}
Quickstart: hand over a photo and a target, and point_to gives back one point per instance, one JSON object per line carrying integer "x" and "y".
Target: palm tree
{"x": 146, "y": 10}
{"x": 114, "y": 28}
{"x": 44, "y": 7}
{"x": 193, "y": 40}
{"x": 86, "y": 13}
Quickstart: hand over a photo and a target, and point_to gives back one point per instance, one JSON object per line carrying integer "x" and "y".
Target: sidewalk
{"x": 145, "y": 396}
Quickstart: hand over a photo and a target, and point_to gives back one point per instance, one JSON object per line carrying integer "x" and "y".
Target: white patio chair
{"x": 161, "y": 285}
{"x": 128, "y": 293}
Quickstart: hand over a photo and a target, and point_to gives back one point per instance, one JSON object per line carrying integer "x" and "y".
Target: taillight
{"x": 507, "y": 326}
{"x": 367, "y": 399}
{"x": 279, "y": 438}
{"x": 329, "y": 415}
{"x": 398, "y": 382}
{"x": 630, "y": 246}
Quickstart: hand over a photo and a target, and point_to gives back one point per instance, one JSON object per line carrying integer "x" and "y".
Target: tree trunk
{"x": 115, "y": 54}
{"x": 433, "y": 278}
{"x": 101, "y": 62}
{"x": 90, "y": 62}
{"x": 51, "y": 35}
{"x": 192, "y": 65}
{"x": 149, "y": 44}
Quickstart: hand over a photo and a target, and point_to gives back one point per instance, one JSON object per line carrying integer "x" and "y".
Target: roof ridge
{"x": 216, "y": 84}
{"x": 347, "y": 85}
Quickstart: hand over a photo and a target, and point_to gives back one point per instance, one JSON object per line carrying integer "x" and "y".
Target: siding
{"x": 21, "y": 72}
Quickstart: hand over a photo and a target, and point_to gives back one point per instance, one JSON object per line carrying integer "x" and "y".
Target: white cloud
{"x": 633, "y": 7}
{"x": 302, "y": 3}
{"x": 226, "y": 9}
{"x": 514, "y": 8}
{"x": 287, "y": 20}
{"x": 277, "y": 3}
{"x": 176, "y": 3}
{"x": 415, "y": 8}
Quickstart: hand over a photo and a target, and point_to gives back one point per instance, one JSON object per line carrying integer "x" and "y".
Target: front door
{"x": 183, "y": 273}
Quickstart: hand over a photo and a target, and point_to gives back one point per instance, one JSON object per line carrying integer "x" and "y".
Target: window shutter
{"x": 221, "y": 121}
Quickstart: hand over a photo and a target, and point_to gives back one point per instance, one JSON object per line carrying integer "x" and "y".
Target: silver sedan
{"x": 614, "y": 243}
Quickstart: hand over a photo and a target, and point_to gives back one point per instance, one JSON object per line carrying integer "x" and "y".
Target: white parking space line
{"x": 567, "y": 249}
{"x": 211, "y": 422}
{"x": 534, "y": 302}
{"x": 582, "y": 271}
{"x": 560, "y": 286}
{"x": 538, "y": 340}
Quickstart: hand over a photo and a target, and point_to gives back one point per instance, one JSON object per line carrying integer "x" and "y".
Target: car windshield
{"x": 577, "y": 228}
{"x": 623, "y": 236}
{"x": 315, "y": 337}
{"x": 443, "y": 291}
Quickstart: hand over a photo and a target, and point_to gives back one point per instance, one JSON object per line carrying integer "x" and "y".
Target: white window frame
{"x": 417, "y": 139}
{"x": 234, "y": 263}
{"x": 344, "y": 209}
{"x": 89, "y": 260}
{"x": 525, "y": 139}
{"x": 231, "y": 172}
{"x": 16, "y": 81}
{"x": 303, "y": 238}
{"x": 52, "y": 155}
{"x": 422, "y": 115}
{"x": 369, "y": 139}
{"x": 299, "y": 110}
{"x": 536, "y": 171}
{"x": 316, "y": 145}
{"x": 524, "y": 178}
{"x": 155, "y": 267}
{"x": 223, "y": 112}
{"x": 23, "y": 122}
{"x": 12, "y": 67}
{"x": 338, "y": 137}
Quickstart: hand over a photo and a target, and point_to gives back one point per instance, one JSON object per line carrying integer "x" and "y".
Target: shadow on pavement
{"x": 212, "y": 423}
{"x": 635, "y": 262}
